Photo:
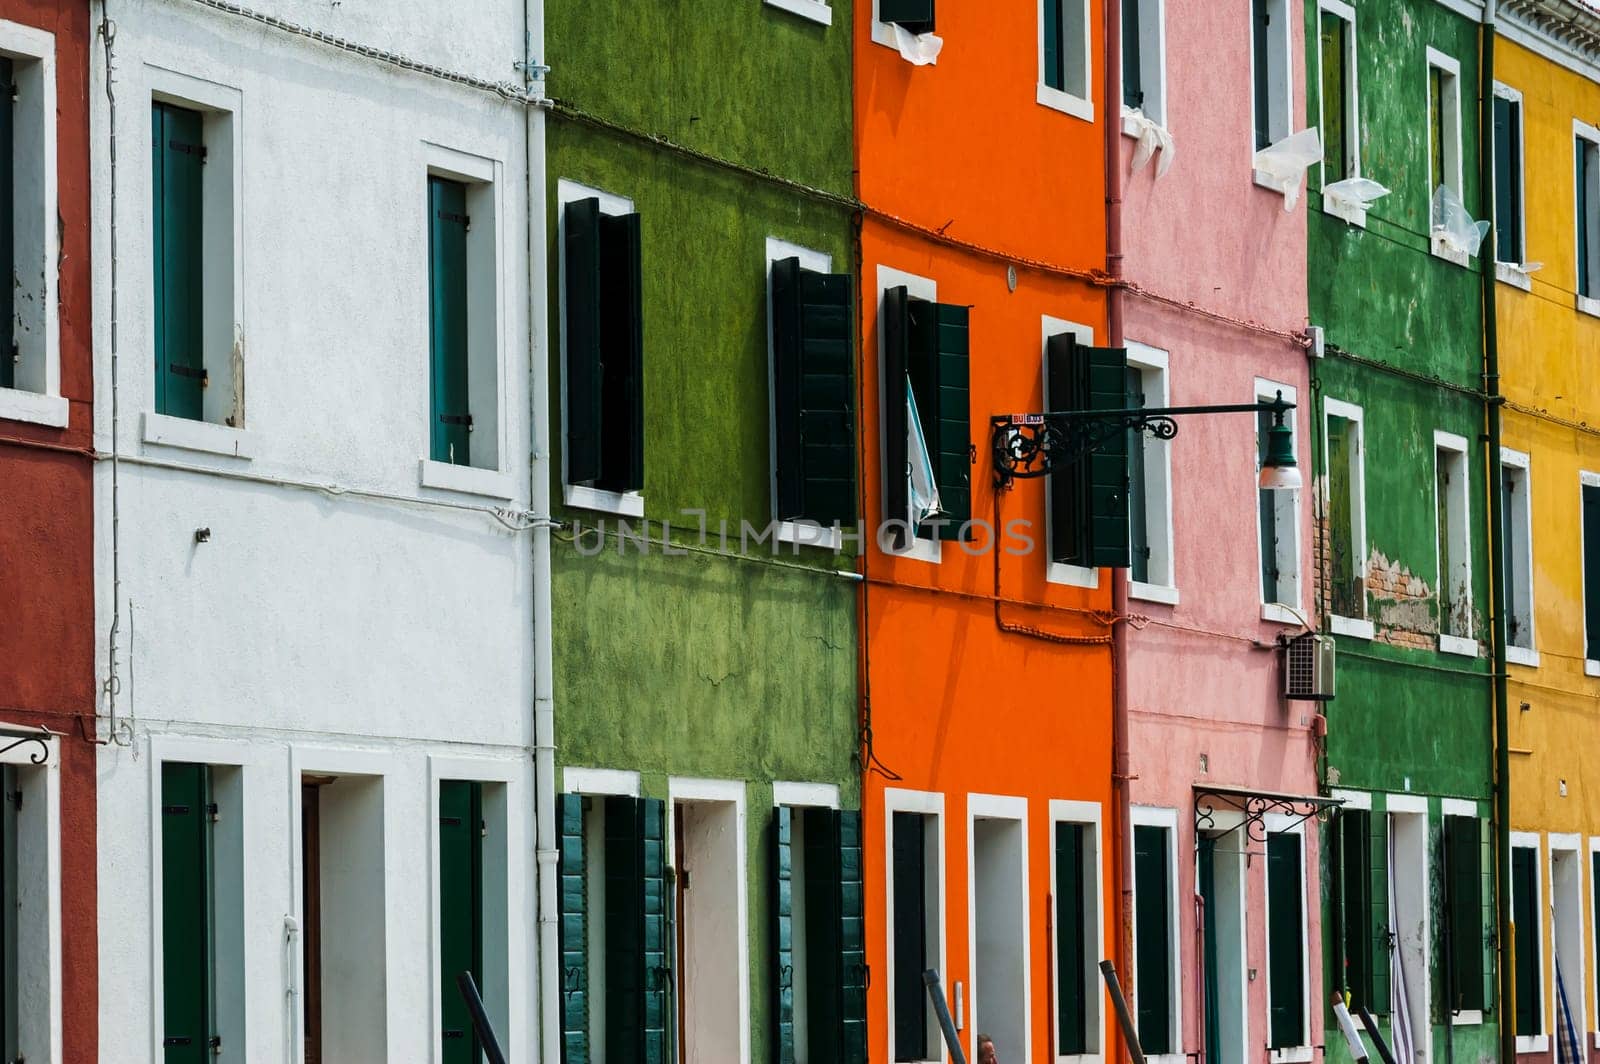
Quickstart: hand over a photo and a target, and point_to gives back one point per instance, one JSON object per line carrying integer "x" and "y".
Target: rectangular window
{"x": 1516, "y": 544}
{"x": 1064, "y": 56}
{"x": 1089, "y": 499}
{"x": 1346, "y": 532}
{"x": 1341, "y": 125}
{"x": 1271, "y": 86}
{"x": 451, "y": 419}
{"x": 916, "y": 16}
{"x": 1444, "y": 122}
{"x": 1286, "y": 976}
{"x": 1076, "y": 922}
{"x": 928, "y": 428}
{"x": 998, "y": 914}
{"x": 1278, "y": 517}
{"x": 1155, "y": 946}
{"x": 1508, "y": 175}
{"x": 602, "y": 341}
{"x": 461, "y": 831}
{"x": 1591, "y": 568}
{"x": 812, "y": 388}
{"x": 1452, "y": 527}
{"x": 1586, "y": 153}
{"x": 1362, "y": 908}
{"x": 1144, "y": 76}
{"x": 1149, "y": 480}
{"x": 916, "y": 930}
{"x": 1526, "y": 931}
{"x": 1567, "y": 931}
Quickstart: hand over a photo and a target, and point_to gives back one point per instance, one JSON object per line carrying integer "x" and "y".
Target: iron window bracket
{"x": 1212, "y": 804}
{"x": 1026, "y": 446}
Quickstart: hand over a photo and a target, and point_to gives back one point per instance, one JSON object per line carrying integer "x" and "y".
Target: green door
{"x": 186, "y": 914}
{"x": 460, "y": 911}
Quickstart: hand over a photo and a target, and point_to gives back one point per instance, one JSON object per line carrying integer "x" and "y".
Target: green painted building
{"x": 701, "y": 237}
{"x": 1400, "y": 551}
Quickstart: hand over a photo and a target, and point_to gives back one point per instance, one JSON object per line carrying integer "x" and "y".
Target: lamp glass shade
{"x": 1278, "y": 469}
{"x": 1281, "y": 478}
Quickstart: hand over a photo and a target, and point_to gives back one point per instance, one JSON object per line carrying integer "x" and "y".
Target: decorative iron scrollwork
{"x": 1032, "y": 445}
{"x": 1253, "y": 808}
{"x": 35, "y": 757}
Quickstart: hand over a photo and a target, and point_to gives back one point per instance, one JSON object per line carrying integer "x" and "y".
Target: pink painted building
{"x": 1226, "y": 888}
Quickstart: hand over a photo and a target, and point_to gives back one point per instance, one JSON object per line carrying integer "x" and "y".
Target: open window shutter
{"x": 1506, "y": 194}
{"x": 895, "y": 322}
{"x": 1132, "y": 58}
{"x": 1591, "y": 571}
{"x": 1152, "y": 980}
{"x": 813, "y": 395}
{"x": 910, "y": 937}
{"x": 783, "y": 945}
{"x": 1267, "y": 511}
{"x": 852, "y": 940}
{"x": 657, "y": 972}
{"x": 915, "y": 15}
{"x": 1488, "y": 964}
{"x": 8, "y": 206}
{"x": 1260, "y": 84}
{"x": 1070, "y": 946}
{"x": 1138, "y": 503}
{"x": 953, "y": 431}
{"x": 1069, "y": 525}
{"x": 1053, "y": 77}
{"x": 1464, "y": 910}
{"x": 582, "y": 253}
{"x": 1286, "y": 901}
{"x": 1107, "y": 372}
{"x": 1333, "y": 97}
{"x": 621, "y": 355}
{"x": 460, "y": 912}
{"x": 1377, "y": 925}
{"x": 179, "y": 154}
{"x": 450, "y": 418}
{"x": 572, "y": 872}
{"x": 186, "y": 927}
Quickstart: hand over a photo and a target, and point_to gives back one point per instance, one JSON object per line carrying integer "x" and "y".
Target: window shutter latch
{"x": 192, "y": 372}
{"x": 457, "y": 419}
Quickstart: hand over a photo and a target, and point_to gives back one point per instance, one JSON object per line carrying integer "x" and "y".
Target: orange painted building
{"x": 989, "y": 824}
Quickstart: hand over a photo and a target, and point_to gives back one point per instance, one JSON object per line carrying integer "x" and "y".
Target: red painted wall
{"x": 47, "y": 639}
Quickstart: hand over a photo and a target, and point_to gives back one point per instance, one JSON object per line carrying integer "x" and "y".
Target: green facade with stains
{"x": 724, "y": 125}
{"x": 1400, "y": 473}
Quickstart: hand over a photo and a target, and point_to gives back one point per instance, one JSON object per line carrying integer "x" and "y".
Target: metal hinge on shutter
{"x": 15, "y": 798}
{"x": 212, "y": 814}
{"x": 464, "y": 219}
{"x": 192, "y": 372}
{"x": 215, "y": 1043}
{"x": 189, "y": 149}
{"x": 457, "y": 419}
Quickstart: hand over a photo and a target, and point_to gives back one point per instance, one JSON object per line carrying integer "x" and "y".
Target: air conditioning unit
{"x": 1308, "y": 668}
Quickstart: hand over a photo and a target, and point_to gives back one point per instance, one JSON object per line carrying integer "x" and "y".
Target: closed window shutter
{"x": 1152, "y": 987}
{"x": 783, "y": 945}
{"x": 1285, "y": 921}
{"x": 1267, "y": 509}
{"x": 657, "y": 974}
{"x": 1053, "y": 76}
{"x": 1526, "y": 930}
{"x": 1355, "y": 888}
{"x": 953, "y": 452}
{"x": 186, "y": 914}
{"x": 1108, "y": 464}
{"x": 1464, "y": 907}
{"x": 895, "y": 321}
{"x": 1132, "y": 60}
{"x": 178, "y": 153}
{"x": 1259, "y": 21}
{"x": 625, "y": 976}
{"x": 8, "y": 244}
{"x": 852, "y": 940}
{"x": 1377, "y": 917}
{"x": 824, "y": 947}
{"x": 1071, "y": 956}
{"x": 1334, "y": 147}
{"x": 1591, "y": 571}
{"x": 813, "y": 394}
{"x": 910, "y": 937}
{"x": 460, "y": 911}
{"x": 621, "y": 356}
{"x": 581, "y": 249}
{"x": 1206, "y": 884}
{"x": 572, "y": 873}
{"x": 1436, "y": 126}
{"x": 1581, "y": 151}
{"x": 450, "y": 418}
{"x": 915, "y": 15}
{"x": 1138, "y": 486}
{"x": 1488, "y": 917}
{"x": 1507, "y": 181}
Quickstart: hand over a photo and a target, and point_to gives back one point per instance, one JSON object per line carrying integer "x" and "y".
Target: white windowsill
{"x": 1522, "y": 656}
{"x": 809, "y": 534}
{"x": 921, "y": 549}
{"x": 1596, "y": 1036}
{"x": 1467, "y": 1018}
{"x": 1130, "y": 128}
{"x": 1455, "y": 644}
{"x": 1448, "y": 253}
{"x": 815, "y": 10}
{"x": 1353, "y": 213}
{"x": 1533, "y": 1043}
{"x": 467, "y": 480}
{"x": 1351, "y": 626}
{"x": 1508, "y": 273}
{"x": 1153, "y": 592}
{"x": 1072, "y": 575}
{"x": 1065, "y": 102}
{"x": 1278, "y": 613}
{"x": 1292, "y": 1055}
{"x": 18, "y": 405}
{"x": 161, "y": 430}
{"x": 1271, "y": 184}
{"x": 883, "y": 33}
{"x": 1588, "y": 305}
{"x": 621, "y": 503}
{"x": 1591, "y": 668}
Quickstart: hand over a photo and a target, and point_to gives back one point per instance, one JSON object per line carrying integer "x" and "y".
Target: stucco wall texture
{"x": 47, "y": 541}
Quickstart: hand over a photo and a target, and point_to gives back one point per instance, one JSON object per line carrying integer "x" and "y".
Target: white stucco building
{"x": 314, "y": 556}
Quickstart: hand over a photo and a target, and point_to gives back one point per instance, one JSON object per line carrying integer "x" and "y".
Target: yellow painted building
{"x": 1547, "y": 105}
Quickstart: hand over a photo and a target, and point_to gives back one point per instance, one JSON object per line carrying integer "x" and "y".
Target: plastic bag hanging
{"x": 1357, "y": 192}
{"x": 1453, "y": 225}
{"x": 1283, "y": 165}
{"x": 924, "y": 490}
{"x": 1151, "y": 137}
{"x": 918, "y": 49}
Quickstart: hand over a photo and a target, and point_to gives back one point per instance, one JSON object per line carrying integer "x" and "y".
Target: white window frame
{"x": 36, "y": 75}
{"x": 1280, "y": 77}
{"x": 1152, "y": 64}
{"x": 1591, "y": 667}
{"x": 1156, "y": 363}
{"x": 883, "y": 33}
{"x": 803, "y": 533}
{"x": 1529, "y": 655}
{"x": 1167, "y": 819}
{"x": 1530, "y": 840}
{"x": 1060, "y": 572}
{"x": 1281, "y": 824}
{"x": 1061, "y": 99}
{"x": 1358, "y": 627}
{"x": 1089, "y": 815}
{"x": 1591, "y": 136}
{"x": 1569, "y": 844}
{"x": 931, "y": 804}
{"x": 1015, "y": 809}
{"x": 1286, "y": 506}
{"x": 918, "y": 548}
{"x": 1452, "y": 142}
{"x": 582, "y": 496}
{"x": 1510, "y": 270}
{"x": 486, "y": 341}
{"x": 1354, "y": 214}
{"x": 224, "y": 325}
{"x": 814, "y": 10}
{"x": 1460, "y": 528}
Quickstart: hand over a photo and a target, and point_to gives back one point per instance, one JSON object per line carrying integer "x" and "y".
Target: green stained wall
{"x": 691, "y": 664}
{"x": 1397, "y": 318}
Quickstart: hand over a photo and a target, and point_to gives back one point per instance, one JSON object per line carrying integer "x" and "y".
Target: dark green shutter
{"x": 910, "y": 936}
{"x": 813, "y": 394}
{"x": 1378, "y": 915}
{"x": 1089, "y": 497}
{"x": 1463, "y": 913}
{"x": 783, "y": 945}
{"x": 1347, "y": 594}
{"x": 581, "y": 249}
{"x": 1594, "y": 902}
{"x": 1334, "y": 147}
{"x": 895, "y": 322}
{"x": 1054, "y": 76}
{"x": 638, "y": 979}
{"x": 460, "y": 911}
{"x": 852, "y": 941}
{"x": 938, "y": 370}
{"x": 1152, "y": 970}
{"x": 1138, "y": 487}
{"x": 186, "y": 914}
{"x": 1508, "y": 554}
{"x": 1259, "y": 21}
{"x": 178, "y": 153}
{"x": 1267, "y": 507}
{"x": 8, "y": 240}
{"x": 621, "y": 355}
{"x": 1355, "y": 895}
{"x": 1132, "y": 60}
{"x": 915, "y": 15}
{"x": 1071, "y": 946}
{"x": 1507, "y": 180}
{"x": 1591, "y": 571}
{"x": 657, "y": 1006}
{"x": 1581, "y": 151}
{"x": 1069, "y": 527}
{"x": 572, "y": 873}
{"x": 1436, "y": 127}
{"x": 1526, "y": 929}
{"x": 450, "y": 417}
{"x": 1285, "y": 942}
{"x": 1206, "y": 884}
